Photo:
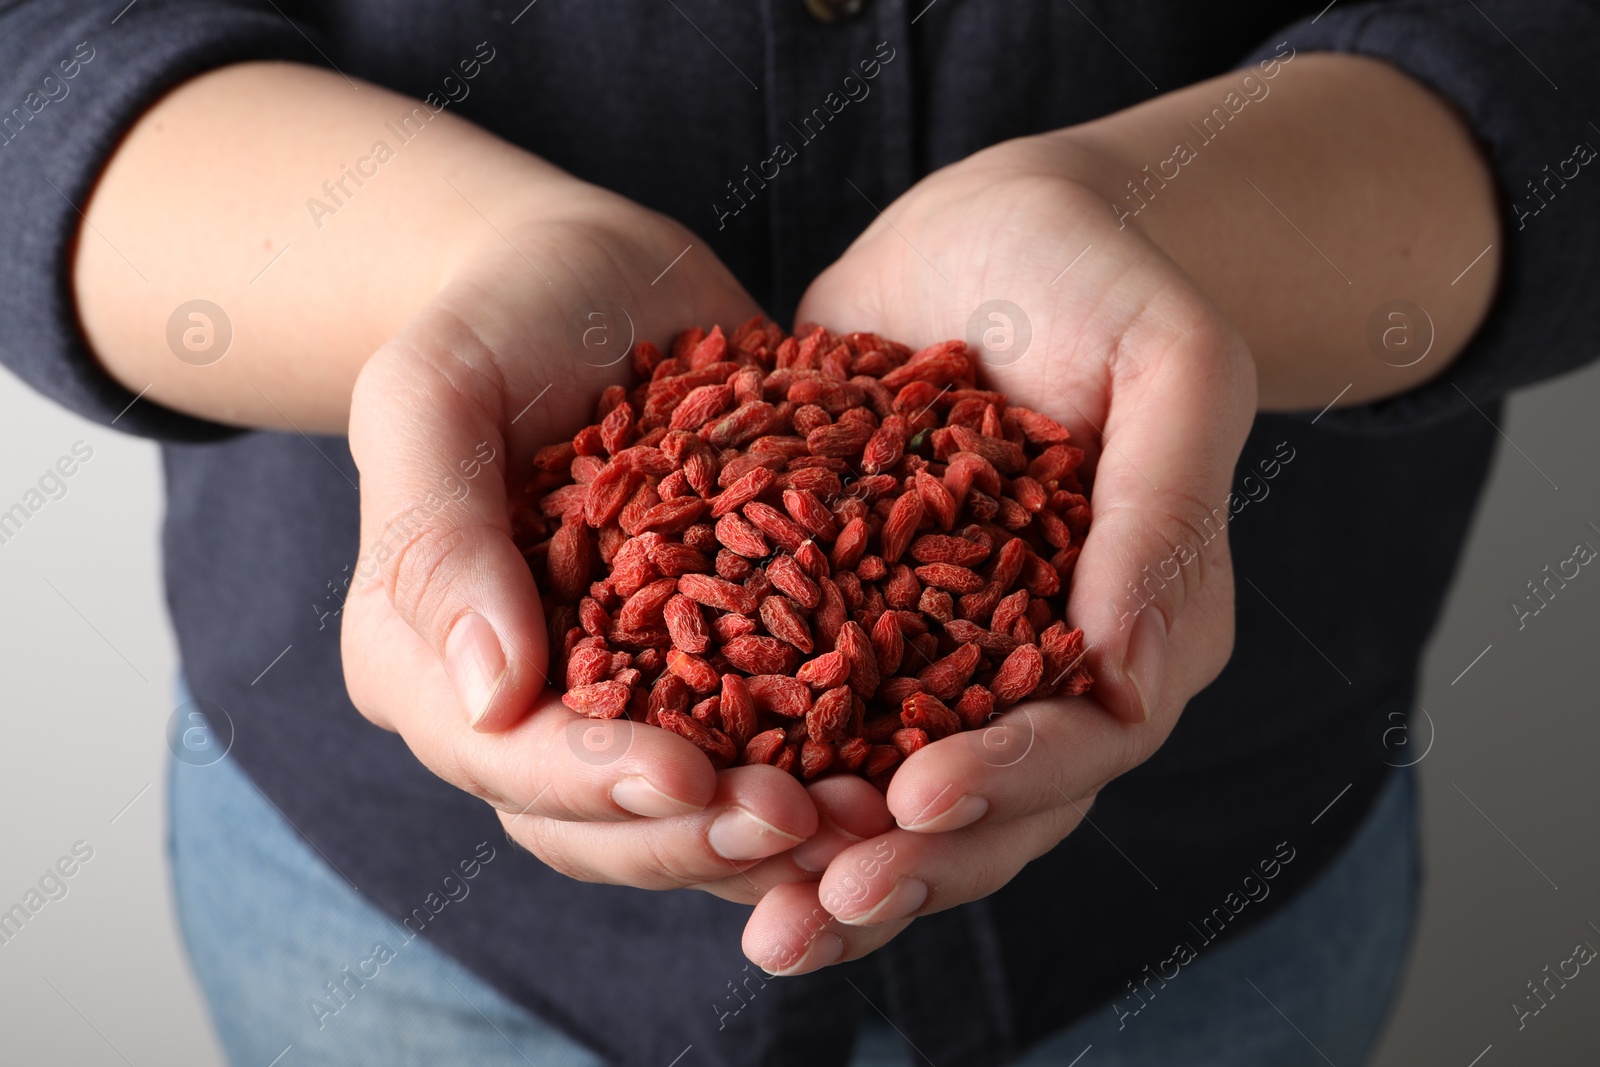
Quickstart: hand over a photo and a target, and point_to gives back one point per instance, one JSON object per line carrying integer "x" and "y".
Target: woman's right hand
{"x": 452, "y": 312}
{"x": 444, "y": 639}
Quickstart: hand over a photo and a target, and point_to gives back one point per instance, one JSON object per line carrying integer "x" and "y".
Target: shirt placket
{"x": 841, "y": 167}
{"x": 942, "y": 980}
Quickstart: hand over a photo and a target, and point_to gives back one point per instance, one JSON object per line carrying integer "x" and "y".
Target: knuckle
{"x": 664, "y": 862}
{"x": 562, "y": 802}
{"x": 449, "y": 762}
{"x": 1189, "y": 537}
{"x": 550, "y": 848}
{"x": 419, "y": 570}
{"x": 982, "y": 876}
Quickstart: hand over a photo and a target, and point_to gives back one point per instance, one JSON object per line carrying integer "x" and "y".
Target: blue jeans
{"x": 271, "y": 929}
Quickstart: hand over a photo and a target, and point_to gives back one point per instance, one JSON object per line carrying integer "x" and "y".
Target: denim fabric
{"x": 295, "y": 963}
{"x": 1310, "y": 985}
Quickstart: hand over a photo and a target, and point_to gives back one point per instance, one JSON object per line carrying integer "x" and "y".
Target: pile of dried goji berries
{"x": 817, "y": 552}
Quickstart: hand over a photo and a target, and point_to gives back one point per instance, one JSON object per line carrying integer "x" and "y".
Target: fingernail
{"x": 638, "y": 795}
{"x": 475, "y": 663}
{"x": 907, "y": 896}
{"x": 738, "y": 835}
{"x": 964, "y": 812}
{"x": 824, "y": 949}
{"x": 1147, "y": 654}
{"x": 815, "y": 853}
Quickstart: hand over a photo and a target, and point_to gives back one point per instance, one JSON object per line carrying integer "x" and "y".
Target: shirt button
{"x": 834, "y": 10}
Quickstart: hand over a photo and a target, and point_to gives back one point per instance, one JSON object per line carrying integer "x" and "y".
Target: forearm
{"x": 263, "y": 189}
{"x": 1338, "y": 186}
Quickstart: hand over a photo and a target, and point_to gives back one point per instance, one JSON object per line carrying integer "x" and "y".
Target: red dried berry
{"x": 717, "y": 593}
{"x": 780, "y": 695}
{"x": 743, "y": 491}
{"x": 739, "y": 536}
{"x": 1018, "y": 675}
{"x": 710, "y": 740}
{"x": 696, "y": 673}
{"x": 760, "y": 655}
{"x": 571, "y": 560}
{"x": 786, "y": 575}
{"x": 826, "y": 671}
{"x": 815, "y": 757}
{"x": 975, "y": 706}
{"x": 927, "y": 712}
{"x": 586, "y": 666}
{"x": 829, "y": 715}
{"x": 950, "y": 577}
{"x": 763, "y": 747}
{"x": 783, "y": 620}
{"x": 686, "y": 624}
{"x": 945, "y": 678}
{"x": 910, "y": 740}
{"x": 904, "y": 518}
{"x": 602, "y": 700}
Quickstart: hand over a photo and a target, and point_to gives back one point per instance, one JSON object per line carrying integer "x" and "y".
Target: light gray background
{"x": 99, "y": 977}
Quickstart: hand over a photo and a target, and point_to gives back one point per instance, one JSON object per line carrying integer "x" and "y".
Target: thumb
{"x": 425, "y": 431}
{"x": 1153, "y": 586}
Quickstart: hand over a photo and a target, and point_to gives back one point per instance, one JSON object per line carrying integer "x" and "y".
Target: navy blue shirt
{"x": 1351, "y": 524}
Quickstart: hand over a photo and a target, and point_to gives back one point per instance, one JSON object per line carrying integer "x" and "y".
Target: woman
{"x": 1274, "y": 264}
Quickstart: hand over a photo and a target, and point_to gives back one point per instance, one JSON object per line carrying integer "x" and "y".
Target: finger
{"x": 1037, "y": 754}
{"x": 748, "y": 884}
{"x": 901, "y": 874}
{"x": 790, "y": 932}
{"x": 440, "y": 545}
{"x": 670, "y": 853}
{"x": 555, "y": 763}
{"x": 1182, "y": 395}
{"x": 848, "y": 810}
{"x": 1029, "y": 760}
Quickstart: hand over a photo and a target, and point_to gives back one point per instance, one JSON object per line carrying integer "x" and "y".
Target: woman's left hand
{"x": 1110, "y": 338}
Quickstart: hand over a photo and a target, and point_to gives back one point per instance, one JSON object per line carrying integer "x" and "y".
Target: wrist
{"x": 558, "y": 281}
{"x": 1350, "y": 188}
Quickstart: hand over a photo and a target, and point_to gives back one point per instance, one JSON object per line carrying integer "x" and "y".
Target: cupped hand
{"x": 1094, "y": 326}
{"x": 444, "y": 638}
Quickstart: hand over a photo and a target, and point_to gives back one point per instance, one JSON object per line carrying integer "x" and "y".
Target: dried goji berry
{"x": 826, "y": 671}
{"x": 686, "y": 624}
{"x": 783, "y": 620}
{"x": 927, "y": 712}
{"x": 601, "y": 700}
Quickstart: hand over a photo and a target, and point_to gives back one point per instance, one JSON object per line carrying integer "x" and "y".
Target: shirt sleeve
{"x": 1525, "y": 76}
{"x": 74, "y": 76}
